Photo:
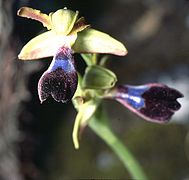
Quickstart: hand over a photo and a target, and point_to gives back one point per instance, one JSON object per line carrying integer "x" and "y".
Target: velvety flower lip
{"x": 60, "y": 79}
{"x": 153, "y": 102}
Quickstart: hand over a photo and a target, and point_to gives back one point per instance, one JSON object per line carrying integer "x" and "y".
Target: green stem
{"x": 101, "y": 128}
{"x": 75, "y": 132}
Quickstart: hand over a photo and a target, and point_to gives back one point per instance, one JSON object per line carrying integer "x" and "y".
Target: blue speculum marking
{"x": 64, "y": 64}
{"x": 134, "y": 96}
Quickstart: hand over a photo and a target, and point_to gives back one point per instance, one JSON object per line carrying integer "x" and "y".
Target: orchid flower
{"x": 153, "y": 102}
{"x": 67, "y": 34}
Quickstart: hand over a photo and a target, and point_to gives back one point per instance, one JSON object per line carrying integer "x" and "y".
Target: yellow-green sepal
{"x": 93, "y": 41}
{"x": 63, "y": 20}
{"x": 45, "y": 45}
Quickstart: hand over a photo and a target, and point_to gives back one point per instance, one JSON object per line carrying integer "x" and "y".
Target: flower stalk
{"x": 98, "y": 123}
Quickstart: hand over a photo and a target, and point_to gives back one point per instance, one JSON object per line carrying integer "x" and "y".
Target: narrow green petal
{"x": 45, "y": 45}
{"x": 36, "y": 15}
{"x": 63, "y": 20}
{"x": 93, "y": 41}
{"x": 79, "y": 26}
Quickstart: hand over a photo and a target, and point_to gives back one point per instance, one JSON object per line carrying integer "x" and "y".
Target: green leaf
{"x": 63, "y": 20}
{"x": 93, "y": 41}
{"x": 45, "y": 45}
{"x": 97, "y": 77}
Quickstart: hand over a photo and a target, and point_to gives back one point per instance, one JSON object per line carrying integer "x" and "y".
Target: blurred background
{"x": 35, "y": 139}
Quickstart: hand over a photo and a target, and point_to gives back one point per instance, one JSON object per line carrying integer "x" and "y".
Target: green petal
{"x": 97, "y": 77}
{"x": 63, "y": 20}
{"x": 93, "y": 41}
{"x": 36, "y": 15}
{"x": 79, "y": 26}
{"x": 45, "y": 45}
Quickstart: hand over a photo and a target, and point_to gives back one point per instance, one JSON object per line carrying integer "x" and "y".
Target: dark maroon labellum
{"x": 60, "y": 79}
{"x": 153, "y": 102}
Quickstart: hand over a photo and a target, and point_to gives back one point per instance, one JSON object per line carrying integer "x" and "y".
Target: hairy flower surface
{"x": 60, "y": 79}
{"x": 153, "y": 102}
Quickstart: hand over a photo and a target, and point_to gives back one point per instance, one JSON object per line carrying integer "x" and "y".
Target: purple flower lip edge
{"x": 60, "y": 79}
{"x": 153, "y": 102}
